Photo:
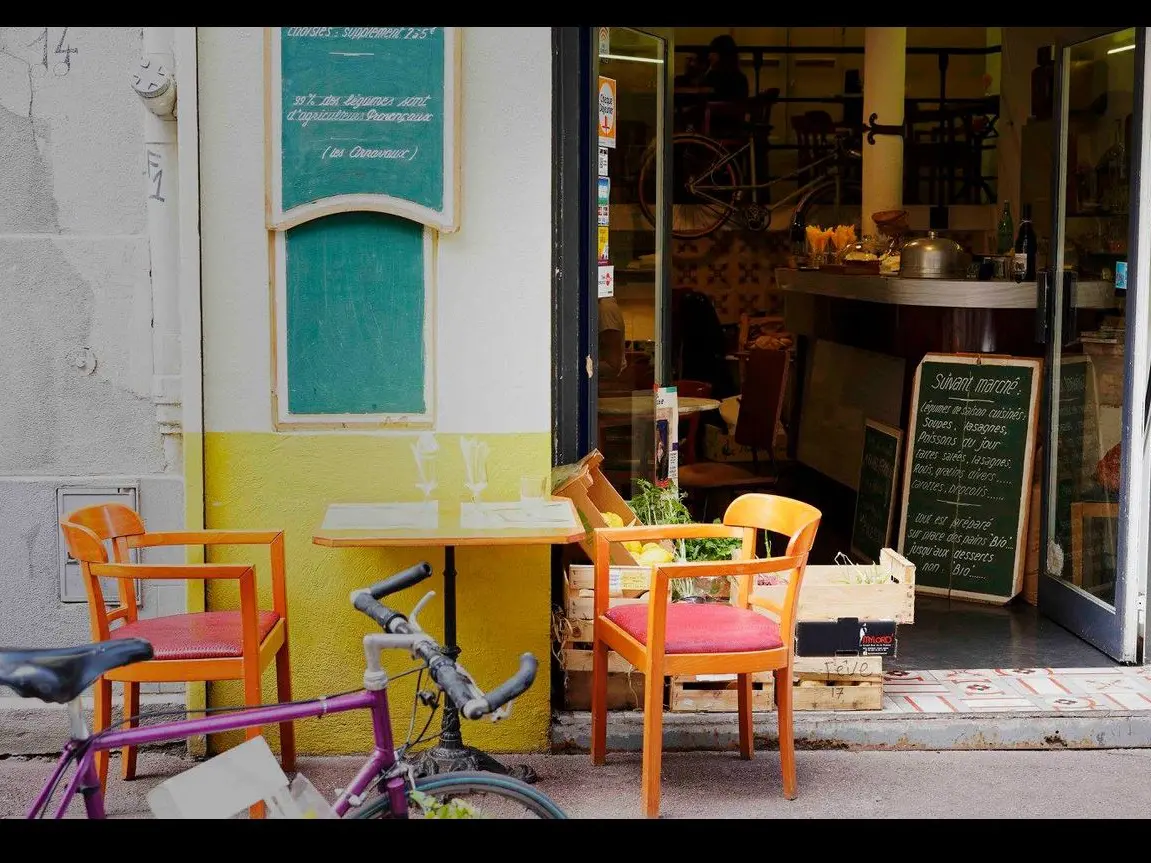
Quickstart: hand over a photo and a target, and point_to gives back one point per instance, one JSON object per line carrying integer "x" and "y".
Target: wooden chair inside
{"x": 205, "y": 646}
{"x": 760, "y": 407}
{"x": 813, "y": 133}
{"x": 661, "y": 638}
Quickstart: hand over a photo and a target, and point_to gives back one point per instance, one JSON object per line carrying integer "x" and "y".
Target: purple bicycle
{"x": 61, "y": 675}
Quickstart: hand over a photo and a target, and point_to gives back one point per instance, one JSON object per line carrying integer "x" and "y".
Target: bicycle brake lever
{"x": 412, "y": 618}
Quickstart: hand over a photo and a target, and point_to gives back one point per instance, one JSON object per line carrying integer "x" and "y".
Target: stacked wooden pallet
{"x": 625, "y": 683}
{"x": 832, "y": 683}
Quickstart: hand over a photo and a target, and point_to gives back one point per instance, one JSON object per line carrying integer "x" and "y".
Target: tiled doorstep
{"x": 1002, "y": 690}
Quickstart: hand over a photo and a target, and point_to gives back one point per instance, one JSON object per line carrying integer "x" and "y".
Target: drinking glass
{"x": 533, "y": 490}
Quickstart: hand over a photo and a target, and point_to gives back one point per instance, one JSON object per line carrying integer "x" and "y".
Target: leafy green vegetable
{"x": 653, "y": 505}
{"x": 433, "y": 808}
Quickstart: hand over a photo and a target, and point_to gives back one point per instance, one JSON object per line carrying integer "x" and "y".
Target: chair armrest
{"x": 274, "y": 539}
{"x": 204, "y": 537}
{"x": 604, "y": 536}
{"x": 668, "y": 531}
{"x": 159, "y": 571}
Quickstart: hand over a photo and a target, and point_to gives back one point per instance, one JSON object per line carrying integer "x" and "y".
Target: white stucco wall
{"x": 492, "y": 305}
{"x": 75, "y": 285}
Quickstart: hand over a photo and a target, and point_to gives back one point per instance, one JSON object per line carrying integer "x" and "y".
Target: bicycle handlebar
{"x": 451, "y": 677}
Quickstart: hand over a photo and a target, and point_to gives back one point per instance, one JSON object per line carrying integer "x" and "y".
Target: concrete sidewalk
{"x": 719, "y": 785}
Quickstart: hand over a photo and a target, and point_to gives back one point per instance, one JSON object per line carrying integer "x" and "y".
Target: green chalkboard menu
{"x": 967, "y": 474}
{"x": 362, "y": 118}
{"x": 874, "y": 503}
{"x": 355, "y": 323}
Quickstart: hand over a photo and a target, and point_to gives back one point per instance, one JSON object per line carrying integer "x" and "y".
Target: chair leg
{"x": 599, "y": 703}
{"x": 252, "y": 699}
{"x": 746, "y": 729}
{"x": 652, "y": 741}
{"x": 284, "y": 694}
{"x": 783, "y": 702}
{"x": 131, "y": 708}
{"x": 102, "y": 720}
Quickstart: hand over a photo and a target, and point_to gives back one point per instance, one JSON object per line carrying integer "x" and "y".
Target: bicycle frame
{"x": 696, "y": 187}
{"x": 85, "y": 781}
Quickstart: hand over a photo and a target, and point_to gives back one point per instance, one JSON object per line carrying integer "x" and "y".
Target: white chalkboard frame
{"x": 282, "y": 419}
{"x": 1036, "y": 365}
{"x": 890, "y": 431}
{"x": 445, "y": 220}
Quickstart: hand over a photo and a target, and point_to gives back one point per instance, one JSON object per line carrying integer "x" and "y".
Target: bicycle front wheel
{"x": 704, "y": 186}
{"x": 470, "y": 795}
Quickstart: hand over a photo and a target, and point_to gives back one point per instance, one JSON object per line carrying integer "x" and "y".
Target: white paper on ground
{"x": 223, "y": 786}
{"x": 382, "y": 516}
{"x": 301, "y": 801}
{"x": 545, "y": 514}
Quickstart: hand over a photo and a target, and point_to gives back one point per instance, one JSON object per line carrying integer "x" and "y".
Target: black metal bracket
{"x": 872, "y": 129}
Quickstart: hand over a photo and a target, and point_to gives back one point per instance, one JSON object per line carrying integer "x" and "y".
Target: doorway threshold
{"x": 1016, "y": 708}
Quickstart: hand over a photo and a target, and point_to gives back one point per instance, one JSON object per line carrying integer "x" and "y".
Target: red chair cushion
{"x": 205, "y": 635}
{"x": 709, "y": 627}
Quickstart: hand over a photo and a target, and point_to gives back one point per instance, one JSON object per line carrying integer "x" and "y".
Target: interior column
{"x": 884, "y": 73}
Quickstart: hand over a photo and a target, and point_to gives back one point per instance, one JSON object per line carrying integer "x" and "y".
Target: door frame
{"x": 575, "y": 309}
{"x": 1115, "y": 632}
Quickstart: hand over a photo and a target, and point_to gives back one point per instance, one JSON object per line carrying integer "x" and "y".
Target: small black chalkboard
{"x": 875, "y": 500}
{"x": 968, "y": 473}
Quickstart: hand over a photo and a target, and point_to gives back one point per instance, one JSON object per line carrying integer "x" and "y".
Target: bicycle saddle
{"x": 60, "y": 674}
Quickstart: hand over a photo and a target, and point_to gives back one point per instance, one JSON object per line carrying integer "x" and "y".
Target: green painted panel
{"x": 355, "y": 315}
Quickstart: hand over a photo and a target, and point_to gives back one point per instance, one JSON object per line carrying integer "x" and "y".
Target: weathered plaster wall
{"x": 75, "y": 306}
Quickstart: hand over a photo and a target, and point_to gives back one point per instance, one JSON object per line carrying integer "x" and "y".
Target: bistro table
{"x": 450, "y": 531}
{"x": 643, "y": 402}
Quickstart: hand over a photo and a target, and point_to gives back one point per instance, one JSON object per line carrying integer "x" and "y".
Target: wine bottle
{"x": 1006, "y": 231}
{"x": 1025, "y": 247}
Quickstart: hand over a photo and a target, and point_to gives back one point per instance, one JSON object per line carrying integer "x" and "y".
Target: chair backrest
{"x": 813, "y": 130}
{"x": 796, "y": 520}
{"x": 87, "y": 531}
{"x": 691, "y": 389}
{"x": 760, "y": 406}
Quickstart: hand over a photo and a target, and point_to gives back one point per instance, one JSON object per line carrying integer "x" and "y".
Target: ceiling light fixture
{"x": 1121, "y": 49}
{"x": 636, "y": 59}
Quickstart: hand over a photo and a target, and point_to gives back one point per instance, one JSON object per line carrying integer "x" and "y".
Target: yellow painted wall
{"x": 285, "y": 482}
{"x": 490, "y": 354}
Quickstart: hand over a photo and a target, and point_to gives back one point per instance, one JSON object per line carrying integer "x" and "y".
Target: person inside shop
{"x": 612, "y": 353}
{"x": 729, "y": 88}
{"x": 723, "y": 76}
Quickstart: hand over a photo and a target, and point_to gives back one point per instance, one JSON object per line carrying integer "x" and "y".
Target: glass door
{"x": 1090, "y": 568}
{"x": 630, "y": 69}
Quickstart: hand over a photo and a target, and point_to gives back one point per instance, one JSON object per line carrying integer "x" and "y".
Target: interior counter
{"x": 945, "y": 293}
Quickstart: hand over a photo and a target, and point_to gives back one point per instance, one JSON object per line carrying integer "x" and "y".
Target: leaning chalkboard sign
{"x": 875, "y": 500}
{"x": 362, "y": 118}
{"x": 968, "y": 473}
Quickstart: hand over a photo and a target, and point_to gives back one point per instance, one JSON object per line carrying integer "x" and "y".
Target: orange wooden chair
{"x": 213, "y": 645}
{"x": 661, "y": 638}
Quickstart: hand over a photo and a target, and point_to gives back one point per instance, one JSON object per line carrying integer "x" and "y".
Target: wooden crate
{"x": 592, "y": 494}
{"x": 716, "y": 693}
{"x": 624, "y": 683}
{"x": 820, "y": 683}
{"x": 826, "y": 593}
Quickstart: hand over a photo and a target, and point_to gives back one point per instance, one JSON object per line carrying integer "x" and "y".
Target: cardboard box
{"x": 846, "y": 636}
